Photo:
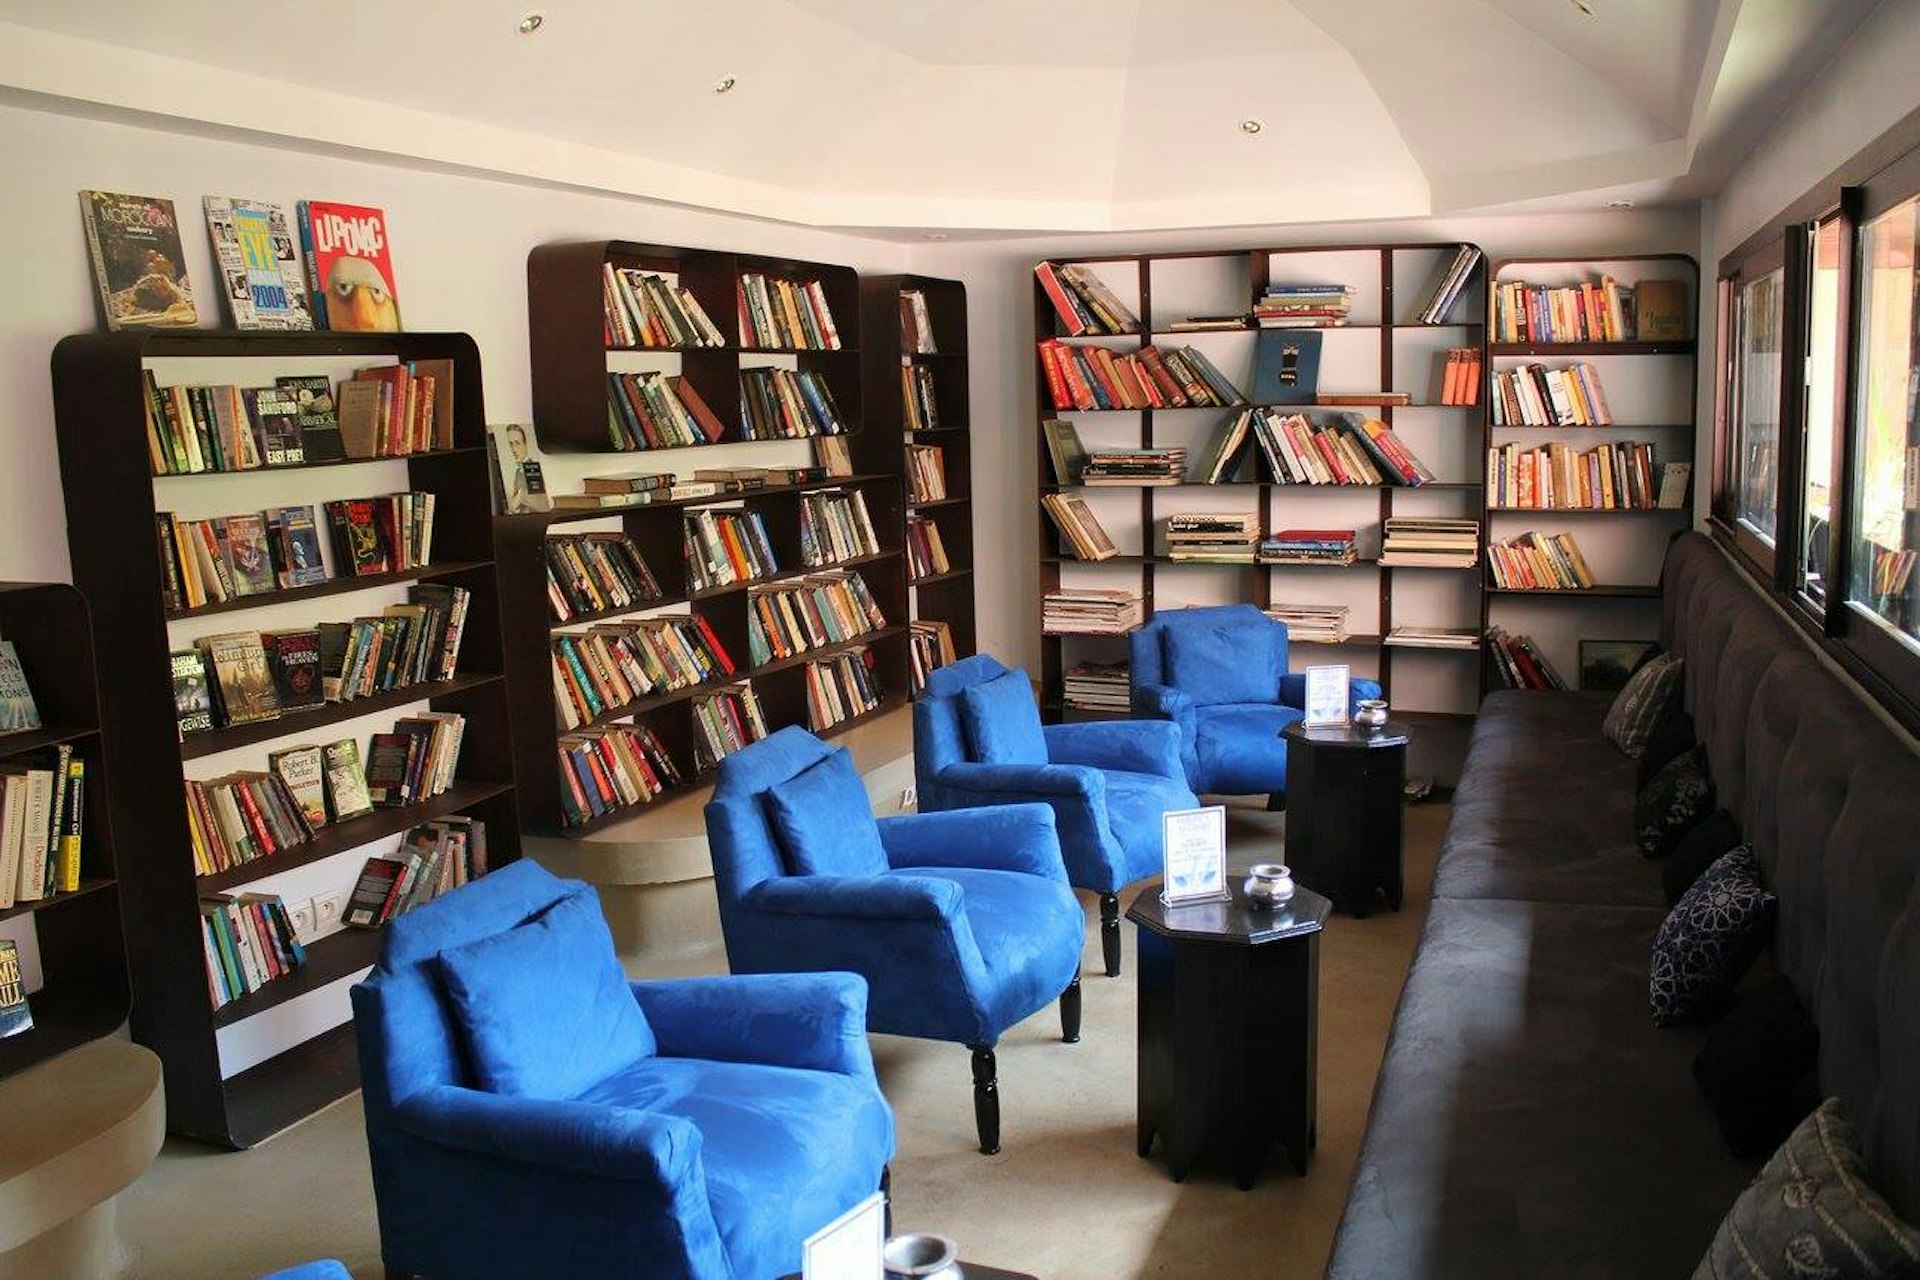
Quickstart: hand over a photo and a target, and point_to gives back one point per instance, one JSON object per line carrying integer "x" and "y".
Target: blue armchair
{"x": 529, "y": 1109}
{"x": 962, "y": 923}
{"x": 1220, "y": 674}
{"x": 978, "y": 740}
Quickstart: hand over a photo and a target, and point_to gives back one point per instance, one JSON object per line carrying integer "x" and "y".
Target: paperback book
{"x": 253, "y": 245}
{"x": 349, "y": 267}
{"x": 139, "y": 267}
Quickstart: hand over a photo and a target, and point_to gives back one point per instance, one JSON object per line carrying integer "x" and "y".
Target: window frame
{"x": 1750, "y": 263}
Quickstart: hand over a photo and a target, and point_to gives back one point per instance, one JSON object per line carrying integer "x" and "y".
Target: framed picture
{"x": 849, "y": 1247}
{"x": 1606, "y": 664}
{"x": 1326, "y": 696}
{"x": 1195, "y": 841}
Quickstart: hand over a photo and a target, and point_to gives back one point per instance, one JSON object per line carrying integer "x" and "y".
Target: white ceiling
{"x": 1011, "y": 115}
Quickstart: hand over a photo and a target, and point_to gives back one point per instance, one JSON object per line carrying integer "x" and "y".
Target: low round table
{"x": 1345, "y": 797}
{"x": 1229, "y": 1037}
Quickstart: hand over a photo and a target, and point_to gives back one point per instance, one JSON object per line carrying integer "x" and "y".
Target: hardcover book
{"x": 253, "y": 246}
{"x": 346, "y": 784}
{"x": 1286, "y": 366}
{"x": 367, "y": 905}
{"x": 300, "y": 768}
{"x": 17, "y": 711}
{"x": 349, "y": 267}
{"x": 15, "y": 1017}
{"x": 357, "y": 407}
{"x": 295, "y": 657}
{"x": 192, "y": 701}
{"x": 240, "y": 676}
{"x": 139, "y": 268}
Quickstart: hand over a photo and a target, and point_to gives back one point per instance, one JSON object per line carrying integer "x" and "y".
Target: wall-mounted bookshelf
{"x": 240, "y": 1070}
{"x": 1384, "y": 345}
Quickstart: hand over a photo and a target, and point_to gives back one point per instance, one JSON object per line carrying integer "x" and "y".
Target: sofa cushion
{"x": 1757, "y": 1069}
{"x": 1672, "y": 734}
{"x": 809, "y": 1133}
{"x": 1635, "y": 709}
{"x": 1710, "y": 938}
{"x": 1223, "y": 662}
{"x": 1002, "y": 721}
{"x": 1812, "y": 1212}
{"x": 1239, "y": 748}
{"x": 1675, "y": 801}
{"x": 1699, "y": 849}
{"x": 824, "y": 821}
{"x": 544, "y": 1008}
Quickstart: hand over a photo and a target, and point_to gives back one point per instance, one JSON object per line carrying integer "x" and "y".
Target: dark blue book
{"x": 1286, "y": 366}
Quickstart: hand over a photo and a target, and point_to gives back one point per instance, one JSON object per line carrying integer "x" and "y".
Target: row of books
{"x": 1084, "y": 378}
{"x": 242, "y": 677}
{"x": 1430, "y": 542}
{"x": 1520, "y": 663}
{"x": 651, "y": 410}
{"x": 1079, "y": 528}
{"x": 42, "y": 824}
{"x": 776, "y": 312}
{"x": 1532, "y": 395}
{"x": 244, "y": 816}
{"x": 1082, "y": 302}
{"x": 1332, "y": 548}
{"x": 638, "y": 489}
{"x": 209, "y": 561}
{"x": 1617, "y": 475}
{"x": 595, "y": 572}
{"x": 916, "y": 326}
{"x": 811, "y": 613}
{"x": 247, "y": 940}
{"x": 1130, "y": 467}
{"x": 1212, "y": 537}
{"x": 725, "y": 547}
{"x": 432, "y": 859}
{"x": 926, "y": 473}
{"x": 834, "y": 526}
{"x": 1602, "y": 310}
{"x": 1539, "y": 562}
{"x": 1416, "y": 637}
{"x": 1337, "y": 452}
{"x": 926, "y": 553}
{"x": 645, "y": 309}
{"x": 1097, "y": 686}
{"x": 616, "y": 664}
{"x": 1460, "y": 376}
{"x": 840, "y": 688}
{"x": 1303, "y": 306}
{"x": 918, "y": 397}
{"x": 929, "y": 647}
{"x": 724, "y": 723}
{"x": 610, "y": 768}
{"x": 1089, "y": 611}
{"x": 787, "y": 404}
{"x": 1311, "y": 623}
{"x": 1448, "y": 286}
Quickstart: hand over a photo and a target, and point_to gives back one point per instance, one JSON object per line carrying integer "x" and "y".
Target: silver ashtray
{"x": 920, "y": 1255}
{"x": 1268, "y": 884}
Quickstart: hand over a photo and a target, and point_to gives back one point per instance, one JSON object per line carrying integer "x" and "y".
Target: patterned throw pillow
{"x": 1630, "y": 719}
{"x": 1811, "y": 1213}
{"x": 1709, "y": 940}
{"x": 1677, "y": 799}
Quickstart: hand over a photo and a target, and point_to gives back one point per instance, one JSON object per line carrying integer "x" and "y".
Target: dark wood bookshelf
{"x": 1602, "y": 590}
{"x": 111, "y": 499}
{"x": 85, "y": 991}
{"x": 1549, "y": 349}
{"x": 224, "y": 342}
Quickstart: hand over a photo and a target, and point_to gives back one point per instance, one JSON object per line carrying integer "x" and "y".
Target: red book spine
{"x": 1332, "y": 458}
{"x": 713, "y": 644}
{"x": 1069, "y": 317}
{"x": 1056, "y": 381}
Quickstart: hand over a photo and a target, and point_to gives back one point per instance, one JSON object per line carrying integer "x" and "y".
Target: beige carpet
{"x": 1065, "y": 1199}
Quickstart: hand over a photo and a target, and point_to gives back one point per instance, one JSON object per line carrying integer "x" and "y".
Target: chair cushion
{"x": 1029, "y": 931}
{"x": 1758, "y": 1069}
{"x": 1710, "y": 938}
{"x": 785, "y": 1150}
{"x": 1630, "y": 721}
{"x": 1675, "y": 801}
{"x": 1239, "y": 749}
{"x": 544, "y": 1008}
{"x": 1223, "y": 662}
{"x": 1699, "y": 849}
{"x": 1002, "y": 721}
{"x": 1135, "y": 802}
{"x": 824, "y": 821}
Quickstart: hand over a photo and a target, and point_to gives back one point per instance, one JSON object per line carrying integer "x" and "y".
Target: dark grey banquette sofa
{"x": 1529, "y": 1119}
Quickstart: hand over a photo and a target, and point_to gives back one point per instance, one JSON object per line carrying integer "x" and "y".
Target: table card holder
{"x": 1326, "y": 696}
{"x": 1195, "y": 841}
{"x": 849, "y": 1247}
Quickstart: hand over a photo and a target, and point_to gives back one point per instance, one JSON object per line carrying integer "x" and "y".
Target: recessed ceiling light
{"x": 724, "y": 84}
{"x": 1619, "y": 204}
{"x": 1584, "y": 6}
{"x": 532, "y": 22}
{"x": 1251, "y": 126}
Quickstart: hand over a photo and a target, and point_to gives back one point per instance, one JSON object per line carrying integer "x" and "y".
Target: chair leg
{"x": 986, "y": 1099}
{"x": 1110, "y": 932}
{"x": 886, "y": 1199}
{"x": 1070, "y": 1012}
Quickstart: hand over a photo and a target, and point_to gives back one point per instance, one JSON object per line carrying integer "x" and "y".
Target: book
{"x": 349, "y": 267}
{"x": 373, "y": 892}
{"x": 1448, "y": 285}
{"x": 15, "y": 1016}
{"x": 253, "y": 245}
{"x": 1286, "y": 367}
{"x": 315, "y": 416}
{"x": 248, "y": 557}
{"x": 346, "y": 784}
{"x": 1079, "y": 528}
{"x": 1064, "y": 449}
{"x": 17, "y": 711}
{"x": 1673, "y": 484}
{"x": 521, "y": 483}
{"x": 139, "y": 266}
{"x": 295, "y": 659}
{"x": 192, "y": 700}
{"x": 73, "y": 810}
{"x": 300, "y": 769}
{"x": 293, "y": 542}
{"x": 242, "y": 685}
{"x": 389, "y": 768}
{"x": 1660, "y": 311}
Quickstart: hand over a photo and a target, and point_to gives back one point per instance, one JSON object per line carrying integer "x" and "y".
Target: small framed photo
{"x": 1195, "y": 841}
{"x": 1606, "y": 664}
{"x": 850, "y": 1247}
{"x": 1326, "y": 696}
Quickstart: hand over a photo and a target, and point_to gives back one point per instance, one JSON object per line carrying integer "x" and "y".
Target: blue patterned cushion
{"x": 825, "y": 821}
{"x": 1630, "y": 720}
{"x": 1677, "y": 799}
{"x": 1811, "y": 1212}
{"x": 1709, "y": 939}
{"x": 1002, "y": 721}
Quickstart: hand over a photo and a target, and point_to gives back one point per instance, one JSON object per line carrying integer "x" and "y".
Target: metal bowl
{"x": 921, "y": 1256}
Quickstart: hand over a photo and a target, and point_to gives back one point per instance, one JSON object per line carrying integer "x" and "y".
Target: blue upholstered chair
{"x": 325, "y": 1269}
{"x": 529, "y": 1111}
{"x": 1220, "y": 673}
{"x": 962, "y": 923}
{"x": 978, "y": 740}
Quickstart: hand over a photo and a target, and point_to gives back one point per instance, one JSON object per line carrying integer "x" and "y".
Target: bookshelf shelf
{"x": 1548, "y": 349}
{"x": 541, "y": 519}
{"x": 328, "y": 960}
{"x": 825, "y": 651}
{"x": 932, "y": 578}
{"x": 423, "y": 456}
{"x": 929, "y": 504}
{"x": 111, "y": 502}
{"x": 25, "y": 740}
{"x": 95, "y": 885}
{"x": 1357, "y": 641}
{"x": 1598, "y": 591}
{"x": 1555, "y": 512}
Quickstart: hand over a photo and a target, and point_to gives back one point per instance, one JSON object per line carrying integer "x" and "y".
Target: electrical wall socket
{"x": 326, "y": 912}
{"x": 301, "y": 913}
{"x": 909, "y": 796}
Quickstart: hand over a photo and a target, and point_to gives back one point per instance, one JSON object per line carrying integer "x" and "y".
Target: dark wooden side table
{"x": 1344, "y": 808}
{"x": 1229, "y": 1039}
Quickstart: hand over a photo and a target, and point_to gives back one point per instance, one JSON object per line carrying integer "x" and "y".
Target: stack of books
{"x": 1085, "y": 378}
{"x": 1460, "y": 376}
{"x": 657, "y": 411}
{"x": 725, "y": 547}
{"x": 206, "y": 562}
{"x": 1430, "y": 542}
{"x": 724, "y": 723}
{"x": 1312, "y": 623}
{"x": 1432, "y": 638}
{"x": 1079, "y": 528}
{"x": 840, "y": 688}
{"x": 1096, "y": 686}
{"x": 926, "y": 473}
{"x": 1619, "y": 475}
{"x": 1090, "y": 612}
{"x": 1083, "y": 302}
{"x": 834, "y": 526}
{"x": 644, "y": 309}
{"x": 1135, "y": 467}
{"x": 1592, "y": 311}
{"x": 918, "y": 397}
{"x": 785, "y": 313}
{"x": 1533, "y": 395}
{"x": 1338, "y": 452}
{"x": 1212, "y": 537}
{"x": 786, "y": 404}
{"x": 610, "y": 768}
{"x": 1448, "y": 286}
{"x": 926, "y": 553}
{"x": 615, "y": 665}
{"x": 1520, "y": 663}
{"x": 596, "y": 572}
{"x": 1303, "y": 306}
{"x": 812, "y": 613}
{"x": 1539, "y": 562}
{"x": 929, "y": 647}
{"x": 916, "y": 327}
{"x": 1308, "y": 546}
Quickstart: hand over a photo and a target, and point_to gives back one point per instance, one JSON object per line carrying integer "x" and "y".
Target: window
{"x": 1885, "y": 483}
{"x": 1756, "y": 426}
{"x": 1825, "y": 278}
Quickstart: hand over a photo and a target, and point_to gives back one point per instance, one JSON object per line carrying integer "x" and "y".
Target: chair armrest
{"x": 1163, "y": 702}
{"x": 1007, "y": 837}
{"x": 579, "y": 1137}
{"x": 1030, "y": 780}
{"x": 1133, "y": 746}
{"x": 812, "y": 1020}
{"x": 857, "y": 897}
{"x": 1293, "y": 690}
